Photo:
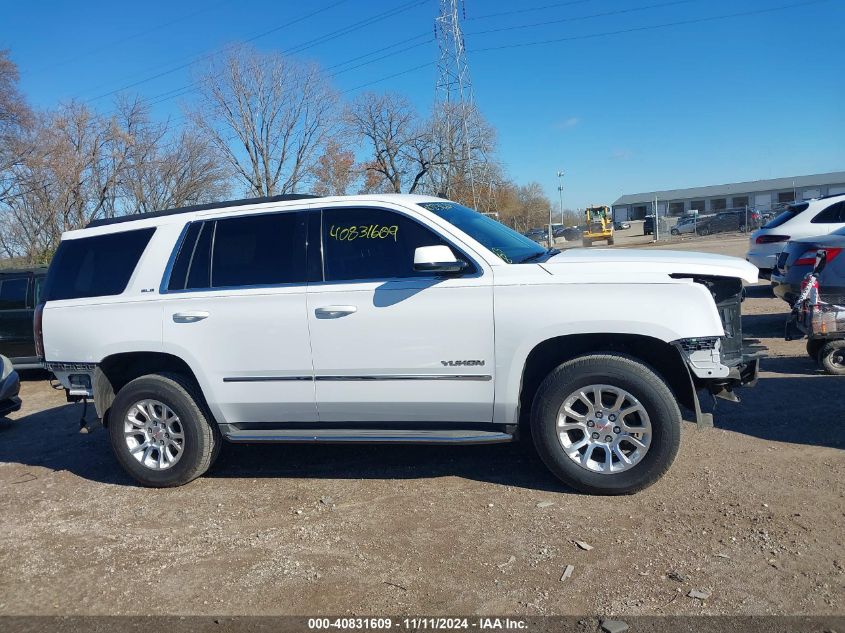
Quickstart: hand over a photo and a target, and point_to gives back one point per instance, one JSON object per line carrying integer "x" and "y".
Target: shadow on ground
{"x": 51, "y": 439}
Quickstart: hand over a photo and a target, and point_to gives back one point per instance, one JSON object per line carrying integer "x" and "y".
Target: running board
{"x": 367, "y": 436}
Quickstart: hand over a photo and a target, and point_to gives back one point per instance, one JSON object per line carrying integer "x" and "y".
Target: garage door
{"x": 763, "y": 201}
{"x": 832, "y": 191}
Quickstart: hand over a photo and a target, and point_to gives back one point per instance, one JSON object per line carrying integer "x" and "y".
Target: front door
{"x": 235, "y": 310}
{"x": 390, "y": 344}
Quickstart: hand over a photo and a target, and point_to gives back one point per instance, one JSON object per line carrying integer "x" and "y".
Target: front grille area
{"x": 698, "y": 344}
{"x": 727, "y": 293}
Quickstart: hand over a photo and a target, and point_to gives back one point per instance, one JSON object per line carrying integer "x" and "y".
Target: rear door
{"x": 16, "y": 339}
{"x": 234, "y": 307}
{"x": 392, "y": 345}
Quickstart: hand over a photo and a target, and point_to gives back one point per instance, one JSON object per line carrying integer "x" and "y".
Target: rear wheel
{"x": 832, "y": 357}
{"x": 606, "y": 424}
{"x": 610, "y": 242}
{"x": 159, "y": 432}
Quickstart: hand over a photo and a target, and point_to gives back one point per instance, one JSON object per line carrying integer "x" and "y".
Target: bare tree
{"x": 15, "y": 119}
{"x": 403, "y": 152}
{"x": 467, "y": 171}
{"x": 334, "y": 172}
{"x": 166, "y": 168}
{"x": 267, "y": 115}
{"x": 79, "y": 166}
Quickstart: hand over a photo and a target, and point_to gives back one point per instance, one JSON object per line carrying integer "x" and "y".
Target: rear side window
{"x": 13, "y": 293}
{"x": 834, "y": 214}
{"x": 790, "y": 212}
{"x": 256, "y": 250}
{"x": 98, "y": 266}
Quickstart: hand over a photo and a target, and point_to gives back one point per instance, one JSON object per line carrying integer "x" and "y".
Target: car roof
{"x": 25, "y": 270}
{"x": 215, "y": 209}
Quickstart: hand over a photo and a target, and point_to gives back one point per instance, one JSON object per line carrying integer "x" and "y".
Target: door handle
{"x": 190, "y": 317}
{"x": 334, "y": 312}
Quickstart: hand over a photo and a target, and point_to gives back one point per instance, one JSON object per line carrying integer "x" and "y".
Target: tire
{"x": 814, "y": 346}
{"x": 675, "y": 232}
{"x": 704, "y": 231}
{"x": 610, "y": 242}
{"x": 200, "y": 438}
{"x": 832, "y": 357}
{"x": 611, "y": 371}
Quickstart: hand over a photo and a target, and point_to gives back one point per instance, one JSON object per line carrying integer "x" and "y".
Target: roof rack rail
{"x": 199, "y": 207}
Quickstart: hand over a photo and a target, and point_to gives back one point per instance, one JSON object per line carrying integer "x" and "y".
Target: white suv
{"x": 820, "y": 216}
{"x": 385, "y": 318}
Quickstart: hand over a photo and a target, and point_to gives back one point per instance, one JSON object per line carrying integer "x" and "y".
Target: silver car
{"x": 684, "y": 225}
{"x": 798, "y": 258}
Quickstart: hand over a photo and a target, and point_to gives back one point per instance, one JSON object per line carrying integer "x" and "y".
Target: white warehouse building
{"x": 762, "y": 195}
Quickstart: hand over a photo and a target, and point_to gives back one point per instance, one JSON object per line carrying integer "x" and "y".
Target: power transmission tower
{"x": 453, "y": 99}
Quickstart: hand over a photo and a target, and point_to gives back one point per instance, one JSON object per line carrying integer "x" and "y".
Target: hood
{"x": 646, "y": 262}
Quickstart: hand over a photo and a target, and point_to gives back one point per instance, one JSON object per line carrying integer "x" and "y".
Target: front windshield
{"x": 506, "y": 243}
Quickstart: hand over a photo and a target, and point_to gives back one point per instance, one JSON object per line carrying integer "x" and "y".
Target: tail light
{"x": 38, "y": 330}
{"x": 771, "y": 239}
{"x": 809, "y": 257}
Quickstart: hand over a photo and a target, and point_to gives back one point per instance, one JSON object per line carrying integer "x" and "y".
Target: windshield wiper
{"x": 548, "y": 252}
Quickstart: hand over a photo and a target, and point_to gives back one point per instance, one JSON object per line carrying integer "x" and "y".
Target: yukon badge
{"x": 462, "y": 363}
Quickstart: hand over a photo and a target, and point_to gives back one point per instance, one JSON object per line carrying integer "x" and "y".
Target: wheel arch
{"x": 116, "y": 370}
{"x": 659, "y": 355}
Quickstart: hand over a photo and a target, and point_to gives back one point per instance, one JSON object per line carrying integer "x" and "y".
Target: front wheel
{"x": 159, "y": 432}
{"x": 704, "y": 231}
{"x": 606, "y": 424}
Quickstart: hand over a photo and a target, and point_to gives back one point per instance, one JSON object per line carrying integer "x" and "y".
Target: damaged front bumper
{"x": 716, "y": 375}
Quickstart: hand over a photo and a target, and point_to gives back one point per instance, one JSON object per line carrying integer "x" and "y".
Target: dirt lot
{"x": 752, "y": 513}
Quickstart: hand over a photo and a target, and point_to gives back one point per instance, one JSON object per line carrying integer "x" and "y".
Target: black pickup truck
{"x": 20, "y": 291}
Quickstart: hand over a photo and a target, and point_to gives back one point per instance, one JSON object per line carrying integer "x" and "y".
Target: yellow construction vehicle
{"x": 599, "y": 225}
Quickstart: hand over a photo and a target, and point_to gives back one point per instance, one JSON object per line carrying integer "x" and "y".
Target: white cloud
{"x": 568, "y": 123}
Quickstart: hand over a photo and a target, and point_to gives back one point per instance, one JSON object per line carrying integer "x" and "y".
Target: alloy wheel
{"x": 154, "y": 434}
{"x": 604, "y": 429}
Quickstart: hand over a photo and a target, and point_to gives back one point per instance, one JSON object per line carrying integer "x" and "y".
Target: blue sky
{"x": 620, "y": 106}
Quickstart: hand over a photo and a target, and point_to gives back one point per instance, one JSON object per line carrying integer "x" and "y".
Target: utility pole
{"x": 656, "y": 221}
{"x": 453, "y": 96}
{"x": 560, "y": 191}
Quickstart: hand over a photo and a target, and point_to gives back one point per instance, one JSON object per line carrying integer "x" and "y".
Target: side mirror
{"x": 437, "y": 259}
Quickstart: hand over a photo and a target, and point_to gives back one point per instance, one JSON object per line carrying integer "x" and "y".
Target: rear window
{"x": 790, "y": 212}
{"x": 98, "y": 266}
{"x": 13, "y": 293}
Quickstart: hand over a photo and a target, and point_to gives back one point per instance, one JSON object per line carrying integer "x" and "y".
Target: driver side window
{"x": 372, "y": 244}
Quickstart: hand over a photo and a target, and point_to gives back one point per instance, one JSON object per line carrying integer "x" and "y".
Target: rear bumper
{"x": 763, "y": 261}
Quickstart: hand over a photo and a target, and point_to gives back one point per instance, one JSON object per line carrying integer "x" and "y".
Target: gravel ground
{"x": 751, "y": 517}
